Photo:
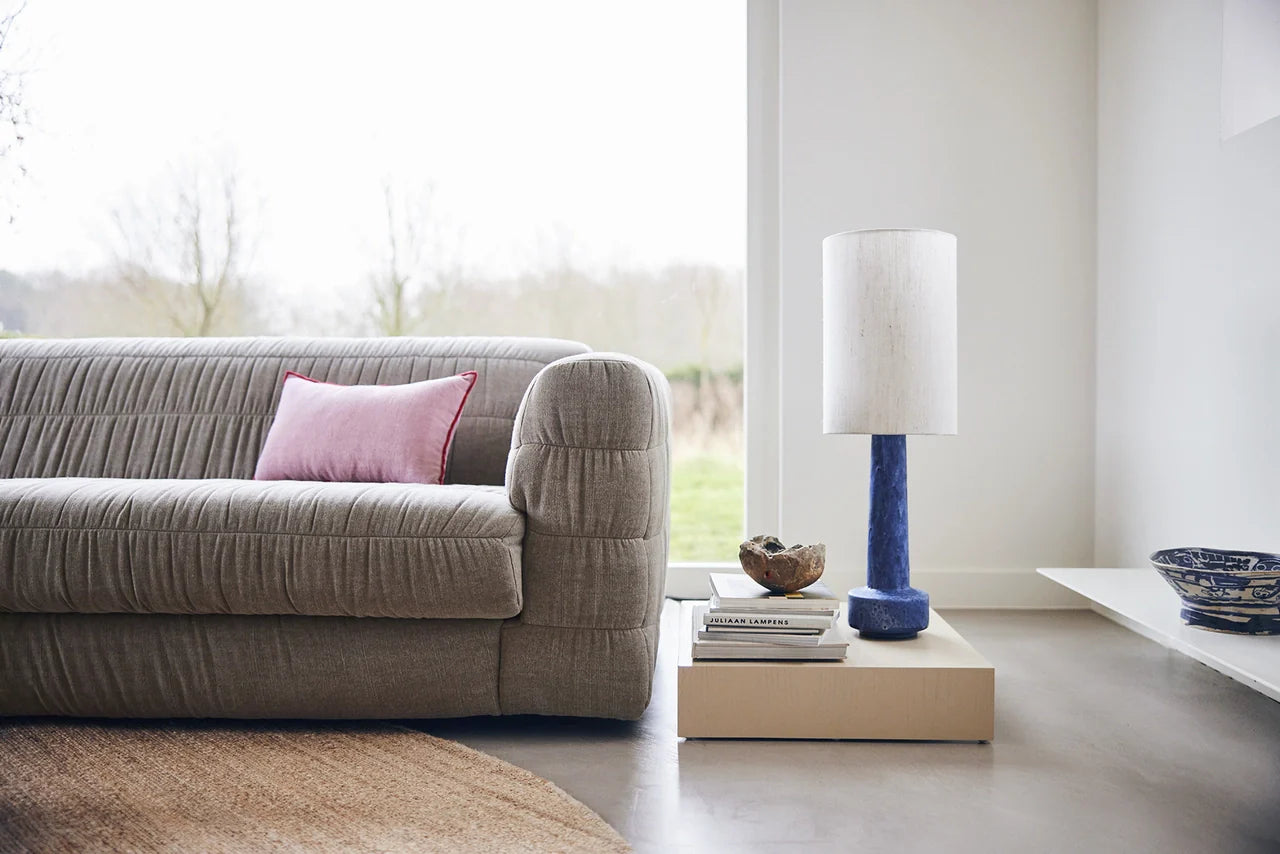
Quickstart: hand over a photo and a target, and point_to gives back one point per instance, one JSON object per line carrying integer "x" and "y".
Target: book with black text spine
{"x": 762, "y": 620}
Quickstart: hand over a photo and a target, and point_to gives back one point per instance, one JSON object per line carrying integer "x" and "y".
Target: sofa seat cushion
{"x": 103, "y": 545}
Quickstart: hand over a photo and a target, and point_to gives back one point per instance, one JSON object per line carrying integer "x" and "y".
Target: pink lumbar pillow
{"x": 367, "y": 433}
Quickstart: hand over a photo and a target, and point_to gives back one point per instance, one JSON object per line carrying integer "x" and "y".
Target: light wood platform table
{"x": 934, "y": 687}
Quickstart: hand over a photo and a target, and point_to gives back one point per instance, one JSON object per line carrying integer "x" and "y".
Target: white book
{"x": 775, "y": 638}
{"x": 828, "y": 641}
{"x": 790, "y": 612}
{"x": 736, "y": 591}
{"x": 760, "y": 652}
{"x": 762, "y": 620}
{"x": 718, "y": 630}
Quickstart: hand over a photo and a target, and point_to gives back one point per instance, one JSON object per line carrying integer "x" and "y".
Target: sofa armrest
{"x": 590, "y": 468}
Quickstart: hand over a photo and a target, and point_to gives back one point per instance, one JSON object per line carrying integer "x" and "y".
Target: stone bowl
{"x": 779, "y": 568}
{"x": 1224, "y": 591}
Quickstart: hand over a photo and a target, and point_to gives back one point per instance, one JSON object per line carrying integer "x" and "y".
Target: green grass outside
{"x": 706, "y": 507}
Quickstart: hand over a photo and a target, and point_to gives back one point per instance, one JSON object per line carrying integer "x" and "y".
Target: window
{"x": 571, "y": 169}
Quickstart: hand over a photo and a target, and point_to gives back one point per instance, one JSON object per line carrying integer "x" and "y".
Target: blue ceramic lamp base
{"x": 888, "y": 614}
{"x": 888, "y": 608}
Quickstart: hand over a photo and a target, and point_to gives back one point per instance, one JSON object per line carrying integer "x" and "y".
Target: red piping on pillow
{"x": 453, "y": 426}
{"x": 288, "y": 374}
{"x": 448, "y": 439}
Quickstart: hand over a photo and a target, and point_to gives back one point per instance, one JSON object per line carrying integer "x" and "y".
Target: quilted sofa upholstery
{"x": 142, "y": 573}
{"x": 121, "y": 546}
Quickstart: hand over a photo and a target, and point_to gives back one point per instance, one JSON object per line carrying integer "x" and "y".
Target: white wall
{"x": 1189, "y": 294}
{"x": 976, "y": 117}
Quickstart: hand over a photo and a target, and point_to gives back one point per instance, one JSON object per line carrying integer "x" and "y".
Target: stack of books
{"x": 745, "y": 621}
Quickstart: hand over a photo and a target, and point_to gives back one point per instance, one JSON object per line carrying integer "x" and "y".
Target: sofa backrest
{"x": 201, "y": 407}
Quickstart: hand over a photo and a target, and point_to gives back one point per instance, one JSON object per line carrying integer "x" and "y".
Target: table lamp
{"x": 888, "y": 370}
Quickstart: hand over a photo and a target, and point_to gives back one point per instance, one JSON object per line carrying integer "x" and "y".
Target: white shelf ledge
{"x": 1139, "y": 599}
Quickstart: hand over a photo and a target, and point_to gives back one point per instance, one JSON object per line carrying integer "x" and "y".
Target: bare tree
{"x": 420, "y": 268}
{"x": 14, "y": 116}
{"x": 709, "y": 291}
{"x": 186, "y": 257}
{"x": 712, "y": 290}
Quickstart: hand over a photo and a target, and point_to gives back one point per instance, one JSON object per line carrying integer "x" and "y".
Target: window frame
{"x": 761, "y": 422}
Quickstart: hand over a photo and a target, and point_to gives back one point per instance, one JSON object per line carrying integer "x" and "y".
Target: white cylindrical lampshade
{"x": 889, "y": 332}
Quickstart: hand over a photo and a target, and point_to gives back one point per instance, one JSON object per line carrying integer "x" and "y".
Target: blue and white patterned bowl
{"x": 1224, "y": 591}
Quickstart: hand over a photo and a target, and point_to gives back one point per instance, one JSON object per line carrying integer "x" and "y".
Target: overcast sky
{"x": 615, "y": 126}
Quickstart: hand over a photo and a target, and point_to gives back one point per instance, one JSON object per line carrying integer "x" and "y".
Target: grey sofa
{"x": 144, "y": 574}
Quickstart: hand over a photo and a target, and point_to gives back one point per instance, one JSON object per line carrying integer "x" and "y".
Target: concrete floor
{"x": 1105, "y": 742}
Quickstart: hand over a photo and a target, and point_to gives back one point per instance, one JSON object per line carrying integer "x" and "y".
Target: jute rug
{"x": 175, "y": 786}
